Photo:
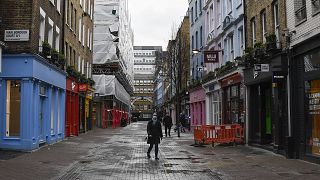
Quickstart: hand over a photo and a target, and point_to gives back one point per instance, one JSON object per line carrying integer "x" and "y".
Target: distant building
{"x": 197, "y": 66}
{"x": 112, "y": 62}
{"x": 145, "y": 58}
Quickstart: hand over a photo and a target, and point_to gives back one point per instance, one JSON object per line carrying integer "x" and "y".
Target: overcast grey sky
{"x": 152, "y": 20}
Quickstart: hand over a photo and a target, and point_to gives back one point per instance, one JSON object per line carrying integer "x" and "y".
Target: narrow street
{"x": 121, "y": 154}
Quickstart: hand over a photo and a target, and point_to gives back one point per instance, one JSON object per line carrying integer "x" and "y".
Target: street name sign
{"x": 16, "y": 35}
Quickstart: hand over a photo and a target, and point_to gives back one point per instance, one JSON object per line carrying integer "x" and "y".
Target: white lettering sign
{"x": 16, "y": 35}
{"x": 264, "y": 67}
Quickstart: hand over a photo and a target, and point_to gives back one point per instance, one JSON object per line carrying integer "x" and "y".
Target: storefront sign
{"x": 211, "y": 56}
{"x": 261, "y": 68}
{"x": 278, "y": 77}
{"x": 231, "y": 80}
{"x": 83, "y": 87}
{"x": 16, "y": 35}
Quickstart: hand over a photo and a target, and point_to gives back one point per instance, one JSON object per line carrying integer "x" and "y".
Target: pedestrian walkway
{"x": 121, "y": 154}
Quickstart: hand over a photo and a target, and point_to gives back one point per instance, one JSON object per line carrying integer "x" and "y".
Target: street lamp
{"x": 195, "y": 51}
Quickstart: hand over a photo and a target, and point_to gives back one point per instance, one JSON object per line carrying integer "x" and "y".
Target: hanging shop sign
{"x": 16, "y": 35}
{"x": 211, "y": 56}
{"x": 83, "y": 87}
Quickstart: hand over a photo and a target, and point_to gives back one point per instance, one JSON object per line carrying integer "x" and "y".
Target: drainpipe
{"x": 1, "y": 45}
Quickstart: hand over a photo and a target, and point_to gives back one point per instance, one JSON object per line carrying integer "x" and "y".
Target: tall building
{"x": 197, "y": 66}
{"x": 78, "y": 46}
{"x": 223, "y": 82}
{"x": 266, "y": 89}
{"x": 145, "y": 58}
{"x": 32, "y": 80}
{"x": 113, "y": 62}
{"x": 303, "y": 22}
{"x": 177, "y": 72}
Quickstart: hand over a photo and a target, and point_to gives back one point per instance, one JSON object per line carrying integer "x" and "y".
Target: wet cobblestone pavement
{"x": 123, "y": 156}
{"x": 120, "y": 154}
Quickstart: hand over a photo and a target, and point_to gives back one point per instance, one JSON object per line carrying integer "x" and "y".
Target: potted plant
{"x": 61, "y": 61}
{"x": 271, "y": 42}
{"x": 248, "y": 57}
{"x": 259, "y": 51}
{"x": 46, "y": 50}
{"x": 54, "y": 57}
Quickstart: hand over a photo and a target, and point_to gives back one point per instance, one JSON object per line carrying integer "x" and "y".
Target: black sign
{"x": 211, "y": 56}
{"x": 278, "y": 76}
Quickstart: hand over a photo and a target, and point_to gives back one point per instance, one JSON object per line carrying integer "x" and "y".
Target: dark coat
{"x": 167, "y": 121}
{"x": 154, "y": 132}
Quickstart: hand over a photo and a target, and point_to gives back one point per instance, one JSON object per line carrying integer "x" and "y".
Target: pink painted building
{"x": 197, "y": 106}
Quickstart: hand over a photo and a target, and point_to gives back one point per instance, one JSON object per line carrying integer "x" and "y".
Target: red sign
{"x": 83, "y": 87}
{"x": 211, "y": 56}
{"x": 233, "y": 79}
{"x": 72, "y": 85}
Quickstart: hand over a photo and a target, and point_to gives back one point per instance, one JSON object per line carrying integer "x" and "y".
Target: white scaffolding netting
{"x": 113, "y": 36}
{"x": 107, "y": 85}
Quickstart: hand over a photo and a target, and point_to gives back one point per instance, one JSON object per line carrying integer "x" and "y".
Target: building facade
{"x": 113, "y": 62}
{"x": 303, "y": 22}
{"x": 78, "y": 48}
{"x": 32, "y": 77}
{"x": 145, "y": 58}
{"x": 267, "y": 117}
{"x": 197, "y": 25}
{"x": 223, "y": 82}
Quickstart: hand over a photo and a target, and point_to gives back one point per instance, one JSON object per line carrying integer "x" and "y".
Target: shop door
{"x": 41, "y": 120}
{"x": 266, "y": 116}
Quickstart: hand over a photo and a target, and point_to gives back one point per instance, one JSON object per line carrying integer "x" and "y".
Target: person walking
{"x": 183, "y": 122}
{"x": 167, "y": 121}
{"x": 154, "y": 131}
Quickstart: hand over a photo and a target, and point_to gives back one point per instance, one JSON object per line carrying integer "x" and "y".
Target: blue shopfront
{"x": 32, "y": 102}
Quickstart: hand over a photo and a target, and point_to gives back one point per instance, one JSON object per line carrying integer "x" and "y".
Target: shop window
{"x": 52, "y": 112}
{"x": 59, "y": 106}
{"x": 13, "y": 100}
{"x": 312, "y": 89}
{"x": 312, "y": 61}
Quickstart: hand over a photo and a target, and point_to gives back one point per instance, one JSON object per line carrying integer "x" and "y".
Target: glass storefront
{"x": 312, "y": 97}
{"x": 234, "y": 104}
{"x": 13, "y": 108}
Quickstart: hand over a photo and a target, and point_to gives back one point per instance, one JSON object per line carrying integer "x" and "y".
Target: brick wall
{"x": 72, "y": 35}
{"x": 16, "y": 15}
{"x": 25, "y": 14}
{"x": 253, "y": 9}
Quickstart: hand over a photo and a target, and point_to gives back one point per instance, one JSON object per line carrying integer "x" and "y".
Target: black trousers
{"x": 156, "y": 149}
{"x": 167, "y": 129}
